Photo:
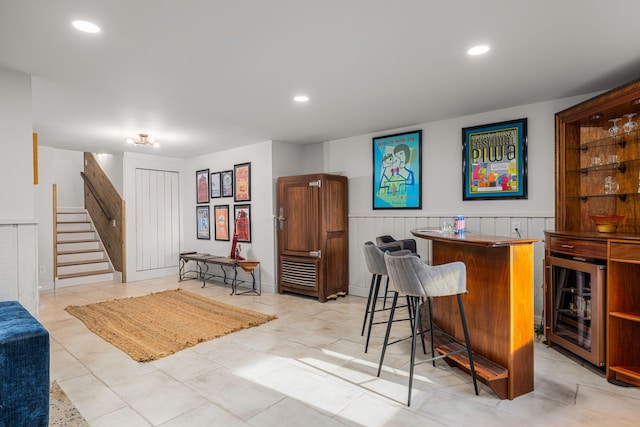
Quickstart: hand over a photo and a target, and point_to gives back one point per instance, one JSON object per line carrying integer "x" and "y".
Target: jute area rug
{"x": 157, "y": 325}
{"x": 62, "y": 413}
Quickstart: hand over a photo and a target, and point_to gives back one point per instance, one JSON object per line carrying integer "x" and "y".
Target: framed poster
{"x": 242, "y": 218}
{"x": 242, "y": 180}
{"x": 226, "y": 179}
{"x": 221, "y": 218}
{"x": 215, "y": 185}
{"x": 202, "y": 221}
{"x": 202, "y": 186}
{"x": 397, "y": 171}
{"x": 494, "y": 161}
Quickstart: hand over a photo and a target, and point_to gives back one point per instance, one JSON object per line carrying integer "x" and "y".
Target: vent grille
{"x": 299, "y": 273}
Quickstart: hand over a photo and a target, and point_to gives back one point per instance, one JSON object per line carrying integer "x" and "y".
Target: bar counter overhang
{"x": 498, "y": 306}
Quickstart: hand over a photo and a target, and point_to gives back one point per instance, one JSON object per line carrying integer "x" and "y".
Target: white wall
{"x": 18, "y": 226}
{"x": 16, "y": 162}
{"x": 44, "y": 213}
{"x": 112, "y": 164}
{"x": 442, "y": 186}
{"x": 67, "y": 167}
{"x": 262, "y": 218}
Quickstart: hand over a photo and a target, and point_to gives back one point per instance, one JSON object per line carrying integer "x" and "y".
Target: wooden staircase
{"x": 80, "y": 255}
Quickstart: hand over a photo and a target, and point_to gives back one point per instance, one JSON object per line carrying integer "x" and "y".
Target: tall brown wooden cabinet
{"x": 587, "y": 153}
{"x": 313, "y": 235}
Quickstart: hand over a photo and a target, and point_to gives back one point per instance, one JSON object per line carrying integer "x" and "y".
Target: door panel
{"x": 298, "y": 205}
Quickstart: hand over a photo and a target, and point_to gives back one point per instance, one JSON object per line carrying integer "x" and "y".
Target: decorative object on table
{"x": 397, "y": 171}
{"x": 202, "y": 186}
{"x": 221, "y": 218}
{"x": 226, "y": 178}
{"x": 607, "y": 223}
{"x": 242, "y": 216}
{"x": 157, "y": 325}
{"x": 202, "y": 221}
{"x": 216, "y": 190}
{"x": 242, "y": 180}
{"x": 494, "y": 161}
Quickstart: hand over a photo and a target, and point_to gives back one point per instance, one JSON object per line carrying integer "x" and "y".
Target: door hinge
{"x": 317, "y": 183}
{"x": 317, "y": 254}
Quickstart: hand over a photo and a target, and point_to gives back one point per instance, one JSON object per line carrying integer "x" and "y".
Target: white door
{"x": 157, "y": 220}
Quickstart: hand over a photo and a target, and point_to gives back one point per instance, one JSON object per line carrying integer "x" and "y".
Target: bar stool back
{"x": 374, "y": 258}
{"x": 412, "y": 277}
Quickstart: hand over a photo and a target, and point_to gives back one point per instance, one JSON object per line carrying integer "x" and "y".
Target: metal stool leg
{"x": 413, "y": 346}
{"x": 386, "y": 336}
{"x": 366, "y": 312}
{"x": 468, "y": 343}
{"x": 373, "y": 310}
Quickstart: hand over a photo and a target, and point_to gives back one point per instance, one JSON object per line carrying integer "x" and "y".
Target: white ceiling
{"x": 207, "y": 75}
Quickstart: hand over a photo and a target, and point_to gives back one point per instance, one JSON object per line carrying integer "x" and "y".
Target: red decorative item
{"x": 242, "y": 223}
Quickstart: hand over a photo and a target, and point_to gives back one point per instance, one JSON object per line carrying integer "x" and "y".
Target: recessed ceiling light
{"x": 301, "y": 98}
{"x": 478, "y": 50}
{"x": 87, "y": 27}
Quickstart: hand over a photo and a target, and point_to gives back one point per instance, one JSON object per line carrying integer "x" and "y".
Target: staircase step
{"x": 84, "y": 280}
{"x": 82, "y": 246}
{"x": 81, "y": 262}
{"x": 85, "y": 235}
{"x": 84, "y": 273}
{"x": 79, "y": 251}
{"x": 75, "y": 226}
{"x": 83, "y": 266}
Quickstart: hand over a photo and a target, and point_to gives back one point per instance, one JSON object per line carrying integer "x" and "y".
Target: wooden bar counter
{"x": 499, "y": 307}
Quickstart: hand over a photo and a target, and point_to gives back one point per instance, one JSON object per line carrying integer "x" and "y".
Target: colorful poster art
{"x": 495, "y": 161}
{"x": 242, "y": 174}
{"x": 397, "y": 171}
{"x": 221, "y": 215}
{"x": 202, "y": 186}
{"x": 227, "y": 183}
{"x": 242, "y": 215}
{"x": 202, "y": 220}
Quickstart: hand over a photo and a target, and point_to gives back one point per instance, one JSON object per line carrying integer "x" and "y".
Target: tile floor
{"x": 305, "y": 368}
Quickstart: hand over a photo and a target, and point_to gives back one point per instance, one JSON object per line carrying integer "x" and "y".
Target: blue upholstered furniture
{"x": 24, "y": 368}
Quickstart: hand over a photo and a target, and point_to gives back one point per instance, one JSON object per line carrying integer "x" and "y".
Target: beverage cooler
{"x": 575, "y": 317}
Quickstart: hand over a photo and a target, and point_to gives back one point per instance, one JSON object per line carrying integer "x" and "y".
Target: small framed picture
{"x": 215, "y": 185}
{"x": 221, "y": 218}
{"x": 226, "y": 178}
{"x": 202, "y": 221}
{"x": 242, "y": 217}
{"x": 202, "y": 186}
{"x": 242, "y": 179}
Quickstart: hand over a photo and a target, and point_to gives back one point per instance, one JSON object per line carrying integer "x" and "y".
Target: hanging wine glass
{"x": 613, "y": 130}
{"x": 630, "y": 125}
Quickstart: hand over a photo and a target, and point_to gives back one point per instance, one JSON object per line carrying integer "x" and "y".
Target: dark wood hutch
{"x": 578, "y": 303}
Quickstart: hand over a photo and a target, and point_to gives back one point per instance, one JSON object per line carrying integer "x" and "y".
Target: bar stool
{"x": 386, "y": 239}
{"x": 412, "y": 277}
{"x": 374, "y": 257}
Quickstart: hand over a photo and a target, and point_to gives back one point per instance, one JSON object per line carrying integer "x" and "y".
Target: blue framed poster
{"x": 494, "y": 161}
{"x": 397, "y": 171}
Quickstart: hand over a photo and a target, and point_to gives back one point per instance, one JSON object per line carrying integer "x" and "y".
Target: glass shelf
{"x": 621, "y": 140}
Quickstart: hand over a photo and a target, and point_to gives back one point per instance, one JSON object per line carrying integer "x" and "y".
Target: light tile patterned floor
{"x": 307, "y": 368}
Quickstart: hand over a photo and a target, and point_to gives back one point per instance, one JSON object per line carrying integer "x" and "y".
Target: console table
{"x": 499, "y": 307}
{"x": 202, "y": 271}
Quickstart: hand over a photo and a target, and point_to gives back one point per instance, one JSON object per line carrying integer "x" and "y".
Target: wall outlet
{"x": 43, "y": 269}
{"x": 515, "y": 227}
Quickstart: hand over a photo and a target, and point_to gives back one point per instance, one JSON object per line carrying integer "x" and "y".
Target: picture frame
{"x": 397, "y": 171}
{"x": 221, "y": 220}
{"x": 226, "y": 181}
{"x": 242, "y": 182}
{"x": 242, "y": 222}
{"x": 215, "y": 185}
{"x": 202, "y": 222}
{"x": 202, "y": 186}
{"x": 494, "y": 161}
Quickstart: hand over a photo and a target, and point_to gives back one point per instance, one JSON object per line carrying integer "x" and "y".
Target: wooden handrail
{"x": 96, "y": 195}
{"x": 107, "y": 211}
